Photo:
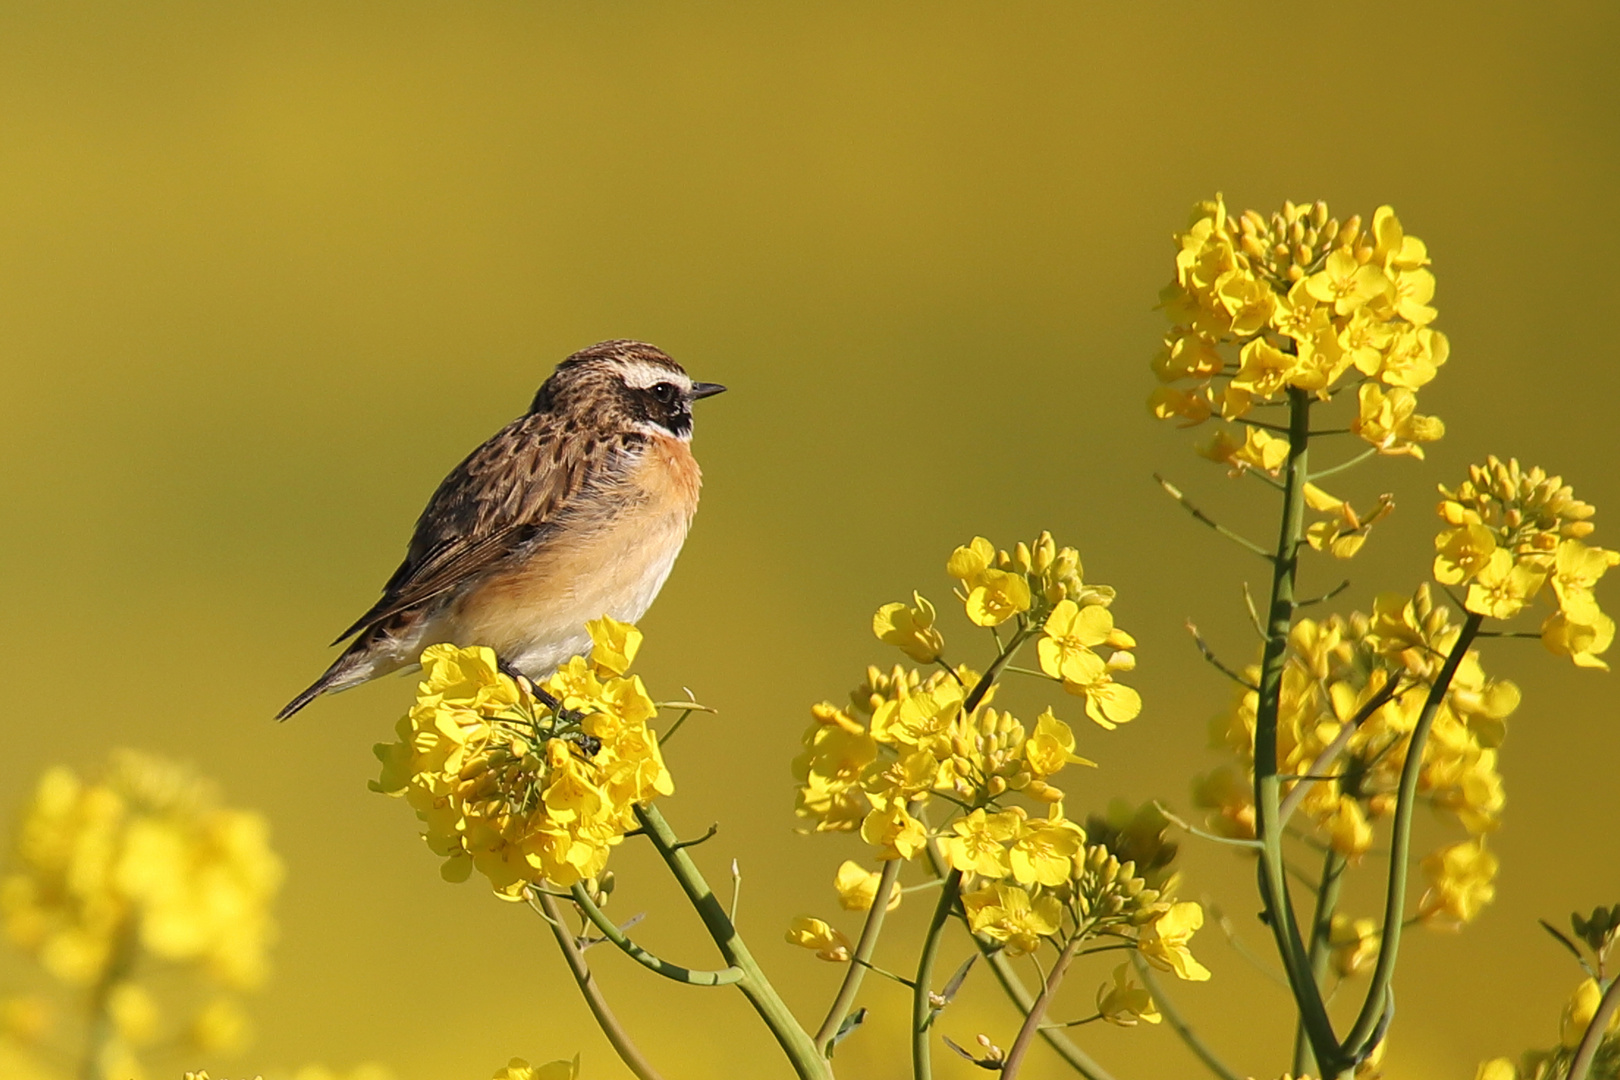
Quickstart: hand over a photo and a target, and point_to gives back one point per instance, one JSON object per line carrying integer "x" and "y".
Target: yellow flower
{"x": 910, "y": 629}
{"x": 1163, "y": 942}
{"x": 1577, "y": 568}
{"x": 1345, "y": 531}
{"x": 614, "y": 644}
{"x": 1388, "y": 419}
{"x": 1108, "y": 703}
{"x": 1126, "y": 1004}
{"x": 1347, "y": 284}
{"x": 979, "y": 844}
{"x": 1463, "y": 552}
{"x": 519, "y": 1069}
{"x": 143, "y": 850}
{"x": 1395, "y": 249}
{"x": 997, "y": 597}
{"x": 1354, "y": 943}
{"x": 1582, "y": 642}
{"x": 890, "y": 829}
{"x": 1006, "y": 913}
{"x": 1043, "y": 853}
{"x": 1497, "y": 1069}
{"x": 1461, "y": 882}
{"x": 827, "y": 943}
{"x": 857, "y": 888}
{"x": 1579, "y": 1012}
{"x": 1167, "y": 401}
{"x": 511, "y": 790}
{"x": 1265, "y": 369}
{"x": 1071, "y": 631}
{"x": 220, "y": 1027}
{"x": 1051, "y": 747}
{"x": 1348, "y": 829}
{"x": 1502, "y": 587}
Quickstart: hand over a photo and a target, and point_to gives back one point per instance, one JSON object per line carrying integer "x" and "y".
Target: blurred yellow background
{"x": 268, "y": 271}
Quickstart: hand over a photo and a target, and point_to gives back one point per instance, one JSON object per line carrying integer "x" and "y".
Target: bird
{"x": 574, "y": 510}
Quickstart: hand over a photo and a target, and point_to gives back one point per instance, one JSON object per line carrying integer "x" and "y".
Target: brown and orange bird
{"x": 572, "y": 511}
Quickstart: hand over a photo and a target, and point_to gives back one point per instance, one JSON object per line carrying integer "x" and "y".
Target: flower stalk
{"x": 861, "y": 960}
{"x": 1361, "y": 1038}
{"x": 617, "y": 1037}
{"x": 922, "y": 993}
{"x": 1037, "y": 1011}
{"x": 808, "y": 1062}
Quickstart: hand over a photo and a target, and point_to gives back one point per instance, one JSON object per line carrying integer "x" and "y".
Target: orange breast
{"x": 611, "y": 559}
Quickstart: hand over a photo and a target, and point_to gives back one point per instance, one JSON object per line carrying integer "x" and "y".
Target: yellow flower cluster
{"x": 1335, "y": 670}
{"x": 1513, "y": 534}
{"x": 1550, "y": 1064}
{"x": 511, "y": 789}
{"x": 1298, "y": 300}
{"x": 908, "y": 741}
{"x": 519, "y": 1069}
{"x": 137, "y": 864}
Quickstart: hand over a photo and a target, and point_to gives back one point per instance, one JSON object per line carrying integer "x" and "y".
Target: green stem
{"x": 1005, "y": 657}
{"x": 1359, "y": 1039}
{"x": 101, "y": 1030}
{"x": 1588, "y": 1047}
{"x": 1267, "y": 783}
{"x": 1327, "y": 902}
{"x": 1037, "y": 1012}
{"x": 863, "y": 956}
{"x": 922, "y": 1006}
{"x": 674, "y": 972}
{"x": 795, "y": 1042}
{"x": 1078, "y": 1059}
{"x": 1178, "y": 1023}
{"x": 617, "y": 1037}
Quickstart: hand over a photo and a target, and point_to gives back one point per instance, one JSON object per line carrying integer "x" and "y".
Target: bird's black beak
{"x": 706, "y": 389}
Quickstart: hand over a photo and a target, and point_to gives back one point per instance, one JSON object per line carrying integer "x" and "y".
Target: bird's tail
{"x": 357, "y": 664}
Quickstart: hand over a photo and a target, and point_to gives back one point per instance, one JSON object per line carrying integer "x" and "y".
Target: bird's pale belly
{"x": 534, "y": 616}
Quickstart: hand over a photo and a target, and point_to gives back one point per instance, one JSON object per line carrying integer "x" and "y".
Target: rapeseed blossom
{"x": 509, "y": 787}
{"x": 1515, "y": 534}
{"x": 927, "y": 762}
{"x": 1338, "y": 668}
{"x": 1298, "y": 300}
{"x": 114, "y": 876}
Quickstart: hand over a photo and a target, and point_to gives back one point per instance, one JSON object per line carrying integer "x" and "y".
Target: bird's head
{"x": 630, "y": 382}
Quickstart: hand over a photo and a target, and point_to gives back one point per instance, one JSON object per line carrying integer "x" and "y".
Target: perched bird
{"x": 572, "y": 511}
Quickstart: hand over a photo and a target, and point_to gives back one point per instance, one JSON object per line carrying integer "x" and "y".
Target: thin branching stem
{"x": 1020, "y": 994}
{"x": 617, "y": 1037}
{"x": 922, "y": 991}
{"x": 1587, "y": 1049}
{"x": 1198, "y": 515}
{"x": 1267, "y": 783}
{"x": 1324, "y": 761}
{"x": 1178, "y": 1023}
{"x": 1214, "y": 661}
{"x": 807, "y": 1061}
{"x": 1037, "y": 1011}
{"x": 674, "y": 972}
{"x": 1343, "y": 465}
{"x": 1321, "y": 951}
{"x": 1360, "y": 1041}
{"x": 864, "y": 947}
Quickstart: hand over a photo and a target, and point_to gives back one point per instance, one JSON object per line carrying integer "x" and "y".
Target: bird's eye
{"x": 665, "y": 393}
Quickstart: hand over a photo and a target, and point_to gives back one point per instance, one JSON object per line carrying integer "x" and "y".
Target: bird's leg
{"x": 587, "y": 743}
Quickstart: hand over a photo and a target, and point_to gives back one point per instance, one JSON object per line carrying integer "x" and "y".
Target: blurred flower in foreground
{"x": 510, "y": 788}
{"x": 518, "y": 1069}
{"x": 136, "y": 865}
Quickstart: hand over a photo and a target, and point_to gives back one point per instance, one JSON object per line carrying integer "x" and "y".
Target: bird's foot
{"x": 566, "y": 717}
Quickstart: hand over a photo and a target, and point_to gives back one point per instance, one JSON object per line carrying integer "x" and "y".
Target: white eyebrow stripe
{"x": 641, "y": 375}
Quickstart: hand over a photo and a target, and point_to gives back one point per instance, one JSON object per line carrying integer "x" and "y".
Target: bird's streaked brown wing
{"x": 505, "y": 495}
